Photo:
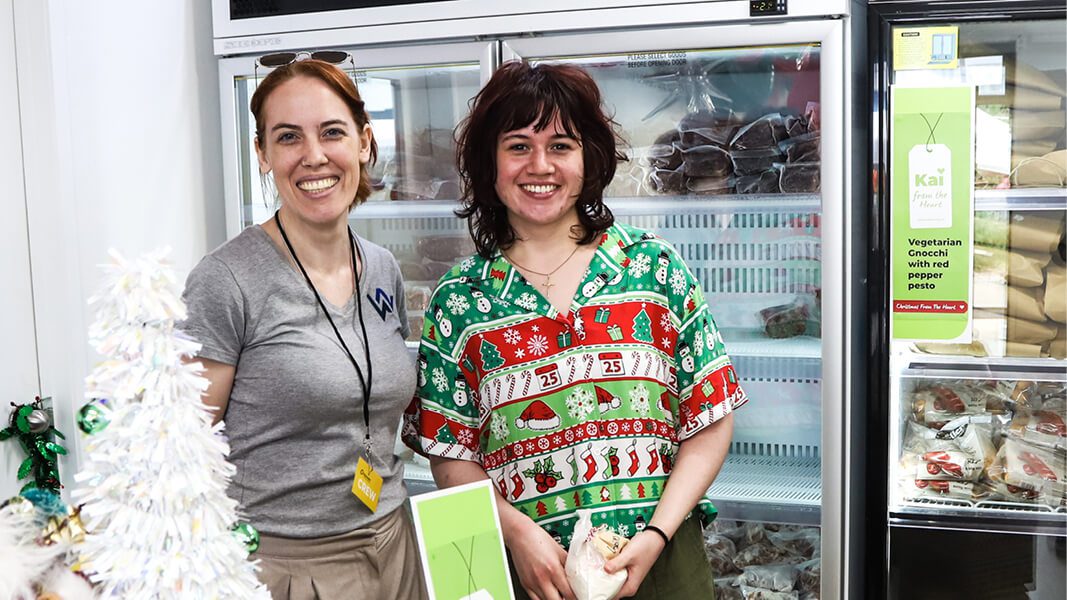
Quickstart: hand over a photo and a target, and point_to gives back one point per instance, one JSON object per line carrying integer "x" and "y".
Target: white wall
{"x": 120, "y": 119}
{"x": 18, "y": 350}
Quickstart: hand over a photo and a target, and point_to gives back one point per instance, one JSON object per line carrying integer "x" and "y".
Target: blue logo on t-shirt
{"x": 383, "y": 303}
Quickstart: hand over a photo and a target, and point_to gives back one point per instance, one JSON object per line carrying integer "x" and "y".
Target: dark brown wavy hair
{"x": 336, "y": 80}
{"x": 519, "y": 95}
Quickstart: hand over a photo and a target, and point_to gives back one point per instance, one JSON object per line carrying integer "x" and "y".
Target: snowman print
{"x": 460, "y": 396}
{"x": 594, "y": 286}
{"x": 687, "y": 358}
{"x": 422, "y": 370}
{"x": 481, "y": 302}
{"x": 443, "y": 324}
{"x": 661, "y": 269}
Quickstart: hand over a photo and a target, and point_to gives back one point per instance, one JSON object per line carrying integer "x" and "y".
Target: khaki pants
{"x": 681, "y": 572}
{"x": 380, "y": 562}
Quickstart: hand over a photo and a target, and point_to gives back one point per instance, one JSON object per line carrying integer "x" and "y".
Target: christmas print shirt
{"x": 577, "y": 410}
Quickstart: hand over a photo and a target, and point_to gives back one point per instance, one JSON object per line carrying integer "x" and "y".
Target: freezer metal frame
{"x": 478, "y": 19}
{"x": 882, "y": 15}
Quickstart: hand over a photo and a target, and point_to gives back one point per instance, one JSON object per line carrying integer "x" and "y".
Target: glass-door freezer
{"x": 976, "y": 501}
{"x": 736, "y": 145}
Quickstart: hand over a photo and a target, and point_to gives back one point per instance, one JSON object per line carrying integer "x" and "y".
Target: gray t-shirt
{"x": 295, "y": 414}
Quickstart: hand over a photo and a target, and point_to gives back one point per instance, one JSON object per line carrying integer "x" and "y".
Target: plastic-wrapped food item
{"x": 997, "y": 490}
{"x": 706, "y": 161}
{"x": 721, "y": 552}
{"x": 1054, "y": 300}
{"x": 444, "y": 248}
{"x": 948, "y": 465}
{"x": 1017, "y": 267}
{"x": 666, "y": 181}
{"x": 664, "y": 156}
{"x": 726, "y": 589}
{"x": 748, "y": 162}
{"x": 710, "y": 185}
{"x": 763, "y": 553}
{"x": 707, "y": 127}
{"x": 763, "y": 183}
{"x": 585, "y": 564}
{"x": 764, "y": 132}
{"x": 416, "y": 297}
{"x": 809, "y": 576}
{"x": 779, "y": 578}
{"x": 1029, "y": 466}
{"x": 798, "y": 178}
{"x": 946, "y": 397}
{"x": 788, "y": 320}
{"x": 1042, "y": 427}
{"x": 755, "y": 593}
{"x": 811, "y": 111}
{"x": 935, "y": 488}
{"x": 801, "y": 149}
{"x": 796, "y": 126}
{"x": 803, "y": 542}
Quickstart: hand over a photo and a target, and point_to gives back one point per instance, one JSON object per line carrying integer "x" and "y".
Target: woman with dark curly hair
{"x": 573, "y": 360}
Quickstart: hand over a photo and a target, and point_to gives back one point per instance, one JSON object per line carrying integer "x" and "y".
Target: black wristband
{"x": 666, "y": 540}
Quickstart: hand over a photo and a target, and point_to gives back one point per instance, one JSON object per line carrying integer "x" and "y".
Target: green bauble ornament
{"x": 247, "y": 535}
{"x": 93, "y": 418}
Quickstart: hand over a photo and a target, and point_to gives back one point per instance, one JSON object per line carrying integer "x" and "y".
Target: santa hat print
{"x": 606, "y": 400}
{"x": 537, "y": 416}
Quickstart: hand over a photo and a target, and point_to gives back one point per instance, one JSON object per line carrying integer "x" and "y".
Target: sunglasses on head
{"x": 280, "y": 59}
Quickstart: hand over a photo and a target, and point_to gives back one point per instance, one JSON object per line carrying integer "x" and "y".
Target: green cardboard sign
{"x": 460, "y": 543}
{"x": 932, "y": 212}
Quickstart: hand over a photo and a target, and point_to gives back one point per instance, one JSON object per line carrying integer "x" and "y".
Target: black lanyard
{"x": 366, "y": 383}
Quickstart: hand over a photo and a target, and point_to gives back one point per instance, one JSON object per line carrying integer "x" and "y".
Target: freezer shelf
{"x": 1002, "y": 517}
{"x": 1021, "y": 199}
{"x": 621, "y": 207}
{"x": 779, "y": 489}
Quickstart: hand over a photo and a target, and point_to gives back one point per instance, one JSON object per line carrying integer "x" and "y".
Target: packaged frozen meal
{"x": 591, "y": 548}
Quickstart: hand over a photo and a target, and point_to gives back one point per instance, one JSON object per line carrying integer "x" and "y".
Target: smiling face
{"x": 314, "y": 149}
{"x": 539, "y": 177}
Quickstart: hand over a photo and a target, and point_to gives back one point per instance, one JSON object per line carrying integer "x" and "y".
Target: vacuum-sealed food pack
{"x": 706, "y": 161}
{"x": 764, "y": 132}
{"x": 799, "y": 178}
{"x": 756, "y": 593}
{"x": 710, "y": 185}
{"x": 748, "y": 162}
{"x": 721, "y": 552}
{"x": 761, "y": 183}
{"x": 778, "y": 578}
{"x": 802, "y": 148}
{"x": 799, "y": 317}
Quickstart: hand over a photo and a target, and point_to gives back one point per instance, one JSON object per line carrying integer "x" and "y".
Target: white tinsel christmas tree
{"x": 154, "y": 483}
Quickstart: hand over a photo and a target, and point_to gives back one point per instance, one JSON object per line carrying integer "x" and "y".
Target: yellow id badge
{"x": 367, "y": 485}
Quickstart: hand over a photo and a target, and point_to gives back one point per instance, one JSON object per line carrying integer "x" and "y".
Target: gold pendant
{"x": 548, "y": 284}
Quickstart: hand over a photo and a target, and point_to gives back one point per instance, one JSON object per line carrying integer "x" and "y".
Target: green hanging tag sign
{"x": 932, "y": 212}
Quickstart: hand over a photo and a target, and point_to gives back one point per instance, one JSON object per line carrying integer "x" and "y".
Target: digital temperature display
{"x": 763, "y": 8}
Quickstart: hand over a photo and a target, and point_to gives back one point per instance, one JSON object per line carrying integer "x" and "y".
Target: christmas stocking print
{"x": 590, "y": 465}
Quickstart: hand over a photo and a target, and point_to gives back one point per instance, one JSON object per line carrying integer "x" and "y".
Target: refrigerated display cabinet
{"x": 967, "y": 460}
{"x": 739, "y": 127}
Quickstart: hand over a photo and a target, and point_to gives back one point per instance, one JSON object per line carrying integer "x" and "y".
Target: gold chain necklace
{"x": 547, "y": 284}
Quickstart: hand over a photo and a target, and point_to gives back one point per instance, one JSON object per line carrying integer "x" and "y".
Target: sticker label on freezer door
{"x": 931, "y": 188}
{"x": 925, "y": 47}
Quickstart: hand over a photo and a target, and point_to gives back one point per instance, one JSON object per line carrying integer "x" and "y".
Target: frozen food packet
{"x": 973, "y": 435}
{"x": 932, "y": 488}
{"x": 1045, "y": 428}
{"x": 803, "y": 542}
{"x": 786, "y": 320}
{"x": 764, "y": 132}
{"x": 763, "y": 183}
{"x": 779, "y": 578}
{"x": 585, "y": 565}
{"x": 763, "y": 553}
{"x": 799, "y": 178}
{"x": 809, "y": 576}
{"x": 721, "y": 552}
{"x": 948, "y": 465}
{"x": 726, "y": 589}
{"x": 750, "y": 162}
{"x": 996, "y": 490}
{"x": 802, "y": 148}
{"x": 1027, "y": 465}
{"x": 756, "y": 593}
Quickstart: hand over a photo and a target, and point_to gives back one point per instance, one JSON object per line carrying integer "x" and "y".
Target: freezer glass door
{"x": 725, "y": 161}
{"x": 977, "y": 429}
